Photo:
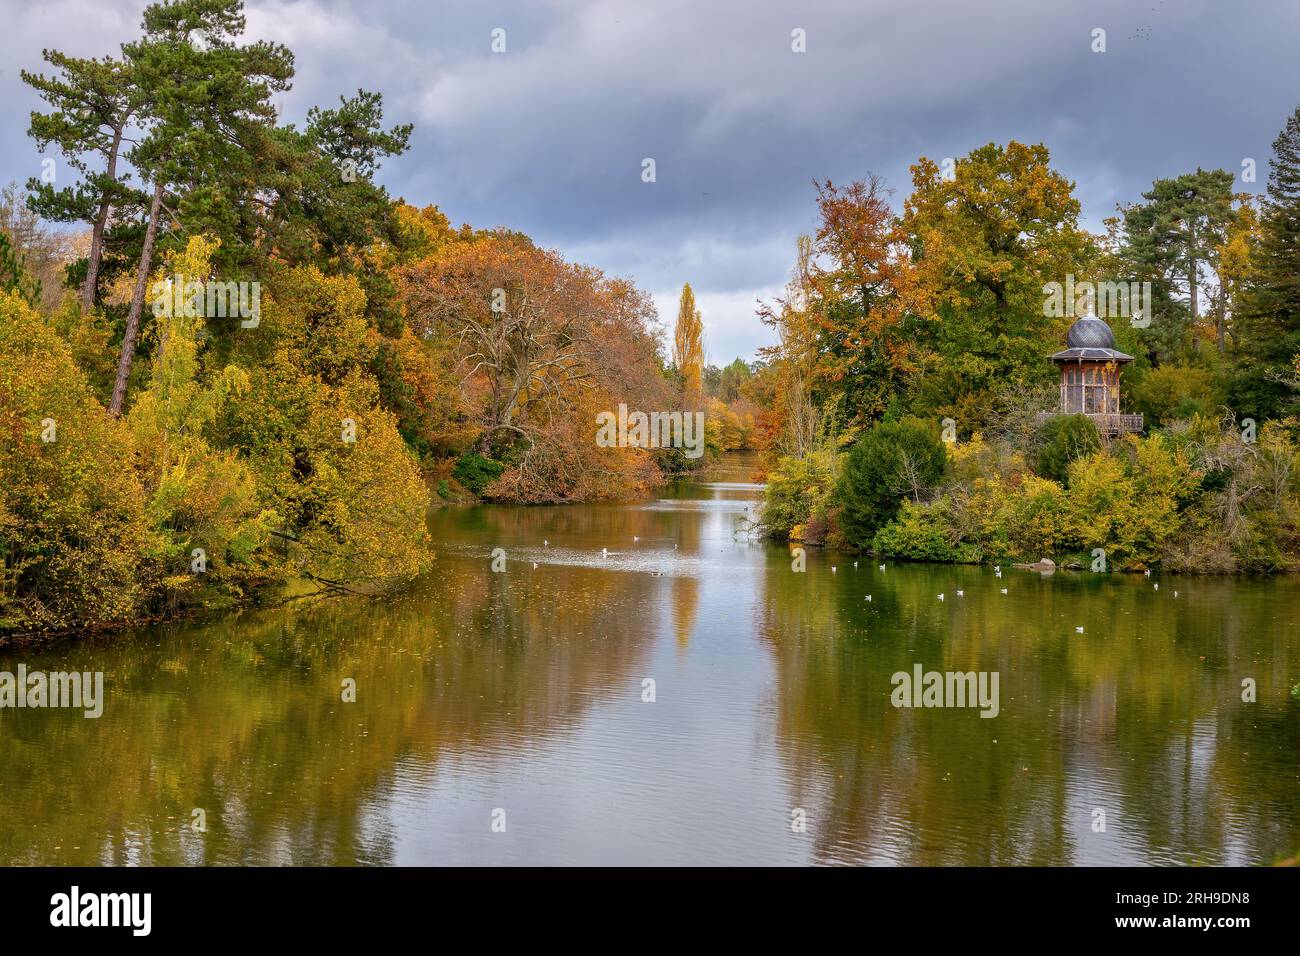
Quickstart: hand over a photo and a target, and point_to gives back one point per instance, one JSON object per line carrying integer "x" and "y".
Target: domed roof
{"x": 1091, "y": 332}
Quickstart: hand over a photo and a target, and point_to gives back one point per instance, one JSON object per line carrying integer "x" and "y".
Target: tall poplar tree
{"x": 688, "y": 346}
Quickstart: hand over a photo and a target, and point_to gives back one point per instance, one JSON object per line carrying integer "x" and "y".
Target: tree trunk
{"x": 137, "y": 306}
{"x": 97, "y": 234}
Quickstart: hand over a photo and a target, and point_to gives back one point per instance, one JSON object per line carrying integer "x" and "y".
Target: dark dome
{"x": 1091, "y": 332}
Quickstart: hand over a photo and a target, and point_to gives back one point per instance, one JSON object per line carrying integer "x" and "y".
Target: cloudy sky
{"x": 549, "y": 136}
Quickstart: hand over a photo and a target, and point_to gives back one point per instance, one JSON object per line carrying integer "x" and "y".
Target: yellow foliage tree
{"x": 688, "y": 347}
{"x": 73, "y": 534}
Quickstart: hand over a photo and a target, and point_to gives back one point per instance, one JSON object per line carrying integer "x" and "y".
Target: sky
{"x": 550, "y": 136}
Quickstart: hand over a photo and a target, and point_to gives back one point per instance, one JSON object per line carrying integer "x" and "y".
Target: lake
{"x": 505, "y": 717}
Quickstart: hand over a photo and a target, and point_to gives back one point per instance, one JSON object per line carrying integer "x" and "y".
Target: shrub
{"x": 921, "y": 532}
{"x": 1060, "y": 441}
{"x": 1175, "y": 391}
{"x": 796, "y": 488}
{"x": 1032, "y": 520}
{"x": 892, "y": 461}
{"x": 1131, "y": 509}
{"x": 475, "y": 472}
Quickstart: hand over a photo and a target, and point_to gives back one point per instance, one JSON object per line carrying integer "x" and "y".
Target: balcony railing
{"x": 1107, "y": 423}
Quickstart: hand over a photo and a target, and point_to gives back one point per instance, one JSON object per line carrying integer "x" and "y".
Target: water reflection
{"x": 526, "y": 691}
{"x": 1140, "y": 716}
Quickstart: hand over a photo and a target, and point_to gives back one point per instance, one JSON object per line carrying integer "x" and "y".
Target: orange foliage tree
{"x": 542, "y": 345}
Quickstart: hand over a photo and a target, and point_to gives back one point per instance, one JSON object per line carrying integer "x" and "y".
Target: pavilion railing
{"x": 1107, "y": 423}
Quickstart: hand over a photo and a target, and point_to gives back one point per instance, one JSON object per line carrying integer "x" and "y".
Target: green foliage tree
{"x": 732, "y": 379}
{"x": 318, "y": 203}
{"x": 1061, "y": 440}
{"x": 891, "y": 462}
{"x": 14, "y": 276}
{"x": 203, "y": 99}
{"x": 920, "y": 532}
{"x": 1173, "y": 240}
{"x": 476, "y": 472}
{"x": 1269, "y": 327}
{"x": 94, "y": 101}
{"x": 984, "y": 242}
{"x": 1173, "y": 392}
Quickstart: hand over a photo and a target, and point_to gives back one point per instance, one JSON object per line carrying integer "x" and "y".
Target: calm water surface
{"x": 523, "y": 691}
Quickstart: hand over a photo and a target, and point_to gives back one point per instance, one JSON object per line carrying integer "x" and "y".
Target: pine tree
{"x": 204, "y": 99}
{"x": 1172, "y": 240}
{"x": 93, "y": 101}
{"x": 1269, "y": 328}
{"x": 688, "y": 347}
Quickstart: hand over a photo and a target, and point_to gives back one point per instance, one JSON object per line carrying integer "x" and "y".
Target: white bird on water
{"x": 882, "y": 567}
{"x": 961, "y": 593}
{"x": 604, "y": 552}
{"x": 832, "y": 569}
{"x": 1156, "y": 586}
{"x": 940, "y": 597}
{"x": 635, "y": 539}
{"x": 1004, "y": 590}
{"x": 855, "y": 564}
{"x": 1078, "y": 630}
{"x": 868, "y": 598}
{"x": 545, "y": 543}
{"x": 534, "y": 565}
{"x": 999, "y": 572}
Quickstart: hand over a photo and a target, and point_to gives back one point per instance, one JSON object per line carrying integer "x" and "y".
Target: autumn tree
{"x": 985, "y": 240}
{"x": 44, "y": 252}
{"x": 860, "y": 298}
{"x": 73, "y": 533}
{"x": 1234, "y": 260}
{"x": 791, "y": 422}
{"x": 543, "y": 345}
{"x": 688, "y": 347}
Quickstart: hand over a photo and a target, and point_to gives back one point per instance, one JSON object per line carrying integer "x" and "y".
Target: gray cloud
{"x": 549, "y": 137}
